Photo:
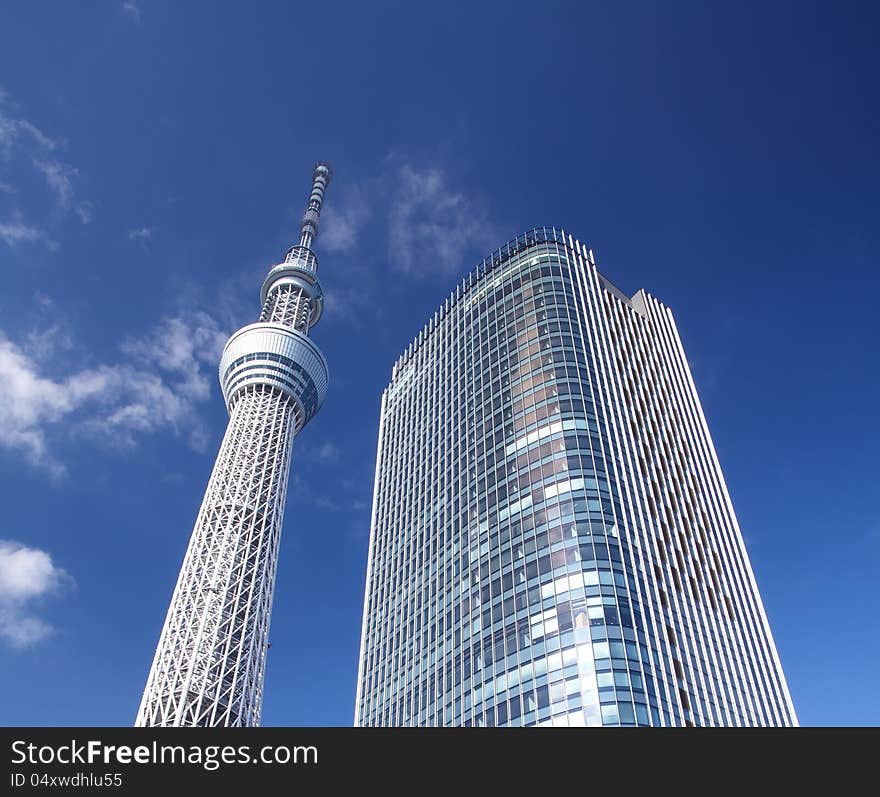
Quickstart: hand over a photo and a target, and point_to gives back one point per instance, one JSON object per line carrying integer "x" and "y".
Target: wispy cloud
{"x": 59, "y": 178}
{"x": 431, "y": 226}
{"x": 27, "y": 575}
{"x": 327, "y": 452}
{"x": 21, "y": 140}
{"x": 85, "y": 211}
{"x": 49, "y": 334}
{"x": 14, "y": 231}
{"x": 47, "y": 342}
{"x": 156, "y": 386}
{"x": 132, "y": 9}
{"x": 352, "y": 303}
{"x": 142, "y": 234}
{"x": 342, "y": 222}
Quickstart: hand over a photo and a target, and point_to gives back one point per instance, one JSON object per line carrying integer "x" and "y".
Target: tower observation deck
{"x": 210, "y": 662}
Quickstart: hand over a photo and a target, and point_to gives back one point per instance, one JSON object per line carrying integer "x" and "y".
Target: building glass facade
{"x": 552, "y": 541}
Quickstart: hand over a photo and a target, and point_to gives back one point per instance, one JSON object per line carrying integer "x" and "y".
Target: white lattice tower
{"x": 211, "y": 657}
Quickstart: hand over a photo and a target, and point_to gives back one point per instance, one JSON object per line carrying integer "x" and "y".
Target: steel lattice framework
{"x": 210, "y": 661}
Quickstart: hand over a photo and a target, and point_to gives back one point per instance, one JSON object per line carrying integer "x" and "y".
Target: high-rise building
{"x": 210, "y": 662}
{"x": 552, "y": 541}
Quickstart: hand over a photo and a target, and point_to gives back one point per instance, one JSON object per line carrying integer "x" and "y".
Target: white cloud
{"x": 25, "y": 573}
{"x": 46, "y": 342}
{"x": 26, "y": 576}
{"x": 140, "y": 234}
{"x": 49, "y": 334}
{"x": 432, "y": 226}
{"x": 181, "y": 343}
{"x": 175, "y": 369}
{"x": 132, "y": 9}
{"x": 59, "y": 178}
{"x": 158, "y": 385}
{"x": 431, "y": 229}
{"x": 45, "y": 301}
{"x": 15, "y": 231}
{"x": 29, "y": 402}
{"x": 327, "y": 452}
{"x": 346, "y": 302}
{"x": 341, "y": 224}
{"x": 42, "y": 141}
{"x": 84, "y": 211}
{"x": 20, "y": 137}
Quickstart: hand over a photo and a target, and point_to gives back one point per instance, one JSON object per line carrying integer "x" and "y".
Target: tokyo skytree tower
{"x": 211, "y": 658}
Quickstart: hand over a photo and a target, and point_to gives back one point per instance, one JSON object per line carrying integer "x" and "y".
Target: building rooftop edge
{"x": 522, "y": 242}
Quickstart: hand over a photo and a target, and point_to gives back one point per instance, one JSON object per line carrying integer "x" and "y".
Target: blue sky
{"x": 154, "y": 160}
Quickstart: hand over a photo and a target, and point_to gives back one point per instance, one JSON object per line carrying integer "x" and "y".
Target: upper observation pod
{"x": 276, "y": 351}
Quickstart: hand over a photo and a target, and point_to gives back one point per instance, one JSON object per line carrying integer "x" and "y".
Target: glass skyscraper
{"x": 552, "y": 540}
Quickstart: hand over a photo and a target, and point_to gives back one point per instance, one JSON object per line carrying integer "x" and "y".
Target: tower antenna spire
{"x": 320, "y": 180}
